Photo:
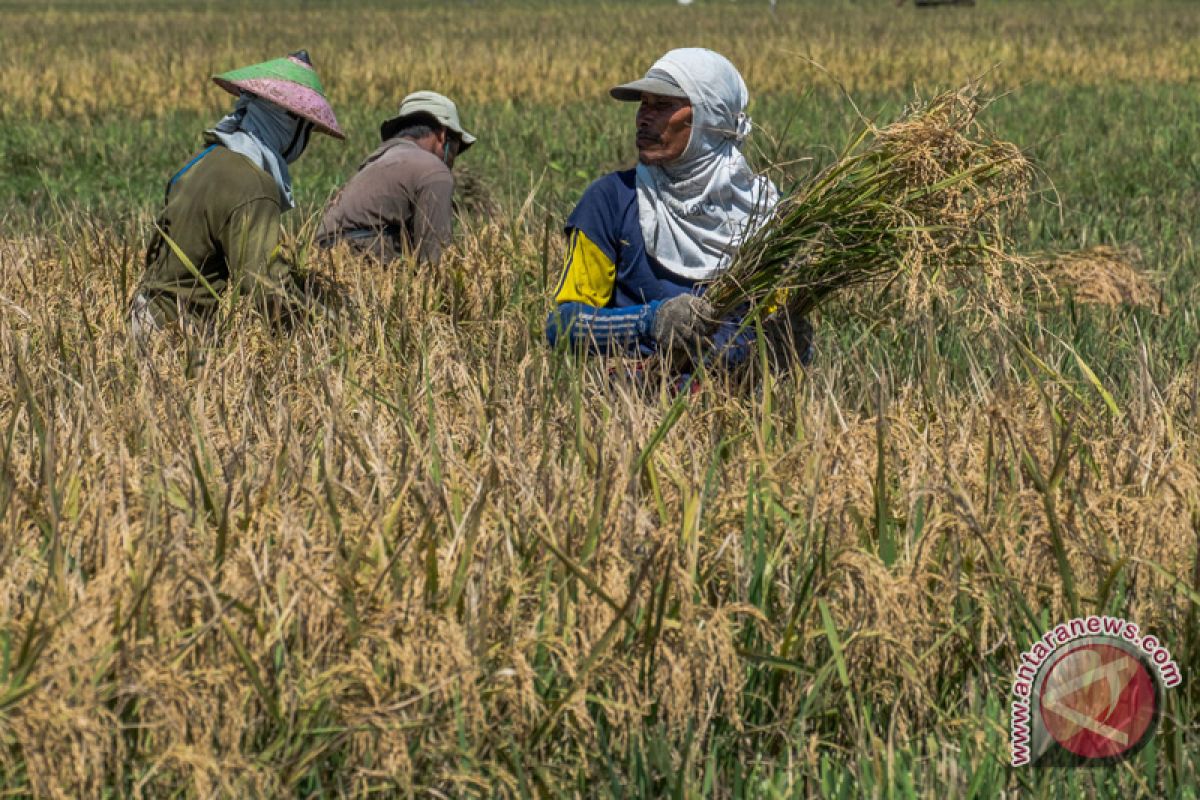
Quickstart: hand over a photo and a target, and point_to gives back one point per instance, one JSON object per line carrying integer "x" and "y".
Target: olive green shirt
{"x": 223, "y": 215}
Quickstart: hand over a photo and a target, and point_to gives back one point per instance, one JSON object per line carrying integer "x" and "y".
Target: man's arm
{"x": 602, "y": 330}
{"x": 250, "y": 240}
{"x": 786, "y": 335}
{"x": 580, "y": 317}
{"x": 433, "y": 216}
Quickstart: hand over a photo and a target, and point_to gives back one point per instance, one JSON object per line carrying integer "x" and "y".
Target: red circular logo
{"x": 1099, "y": 700}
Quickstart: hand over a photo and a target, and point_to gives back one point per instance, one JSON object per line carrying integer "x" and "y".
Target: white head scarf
{"x": 695, "y": 210}
{"x": 268, "y": 136}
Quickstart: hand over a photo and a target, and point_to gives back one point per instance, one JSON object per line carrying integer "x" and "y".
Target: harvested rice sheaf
{"x": 472, "y": 194}
{"x": 921, "y": 200}
{"x": 1103, "y": 275}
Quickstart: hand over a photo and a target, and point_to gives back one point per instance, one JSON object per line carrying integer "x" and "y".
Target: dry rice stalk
{"x": 473, "y": 196}
{"x": 358, "y": 631}
{"x": 921, "y": 199}
{"x": 1103, "y": 275}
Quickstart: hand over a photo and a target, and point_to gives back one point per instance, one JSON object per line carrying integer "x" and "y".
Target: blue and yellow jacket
{"x": 611, "y": 287}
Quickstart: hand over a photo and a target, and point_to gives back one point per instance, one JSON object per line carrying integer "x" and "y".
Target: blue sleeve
{"x": 729, "y": 347}
{"x": 598, "y": 215}
{"x": 603, "y": 330}
{"x": 732, "y": 349}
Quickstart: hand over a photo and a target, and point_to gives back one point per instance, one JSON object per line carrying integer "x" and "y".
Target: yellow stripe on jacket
{"x": 589, "y": 276}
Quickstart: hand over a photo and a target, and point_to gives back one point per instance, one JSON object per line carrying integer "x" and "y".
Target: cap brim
{"x": 388, "y": 128}
{"x": 632, "y": 92}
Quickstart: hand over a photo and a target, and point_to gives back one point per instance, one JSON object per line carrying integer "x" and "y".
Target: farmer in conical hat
{"x": 643, "y": 242}
{"x": 400, "y": 200}
{"x": 220, "y": 227}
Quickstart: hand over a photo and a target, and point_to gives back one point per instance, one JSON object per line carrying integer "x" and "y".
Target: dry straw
{"x": 411, "y": 554}
{"x": 1103, "y": 275}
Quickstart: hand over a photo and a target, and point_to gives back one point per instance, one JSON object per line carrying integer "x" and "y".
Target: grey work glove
{"x": 681, "y": 321}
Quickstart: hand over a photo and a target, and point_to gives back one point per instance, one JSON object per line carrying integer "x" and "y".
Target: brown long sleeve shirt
{"x": 398, "y": 202}
{"x": 222, "y": 215}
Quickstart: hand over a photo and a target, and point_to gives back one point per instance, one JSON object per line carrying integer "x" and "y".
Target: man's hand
{"x": 789, "y": 336}
{"x": 681, "y": 321}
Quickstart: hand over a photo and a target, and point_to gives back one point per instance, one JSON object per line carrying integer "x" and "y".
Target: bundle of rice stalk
{"x": 472, "y": 194}
{"x": 1102, "y": 275}
{"x": 923, "y": 197}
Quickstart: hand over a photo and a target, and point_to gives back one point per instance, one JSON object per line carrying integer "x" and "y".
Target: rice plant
{"x": 407, "y": 550}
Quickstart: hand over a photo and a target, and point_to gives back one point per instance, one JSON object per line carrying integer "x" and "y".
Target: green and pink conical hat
{"x": 290, "y": 83}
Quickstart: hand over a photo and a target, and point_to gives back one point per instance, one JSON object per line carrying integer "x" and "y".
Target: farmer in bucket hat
{"x": 400, "y": 200}
{"x": 643, "y": 242}
{"x": 219, "y": 230}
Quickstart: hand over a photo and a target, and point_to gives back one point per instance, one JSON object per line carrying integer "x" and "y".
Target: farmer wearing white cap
{"x": 220, "y": 227}
{"x": 400, "y": 200}
{"x": 644, "y": 241}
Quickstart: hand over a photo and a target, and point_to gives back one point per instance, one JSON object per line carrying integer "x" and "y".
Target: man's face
{"x": 446, "y": 146}
{"x": 664, "y": 126}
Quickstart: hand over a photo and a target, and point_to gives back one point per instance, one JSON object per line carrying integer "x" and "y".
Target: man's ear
{"x": 443, "y": 146}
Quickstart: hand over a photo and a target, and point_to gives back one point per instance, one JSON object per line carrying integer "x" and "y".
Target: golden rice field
{"x": 414, "y": 552}
{"x": 555, "y": 53}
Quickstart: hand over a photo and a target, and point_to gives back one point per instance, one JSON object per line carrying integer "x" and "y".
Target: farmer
{"x": 643, "y": 241}
{"x": 219, "y": 231}
{"x": 399, "y": 201}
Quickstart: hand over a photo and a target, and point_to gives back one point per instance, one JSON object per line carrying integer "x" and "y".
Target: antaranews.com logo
{"x": 1089, "y": 692}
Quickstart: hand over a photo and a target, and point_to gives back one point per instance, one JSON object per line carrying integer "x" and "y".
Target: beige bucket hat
{"x": 430, "y": 104}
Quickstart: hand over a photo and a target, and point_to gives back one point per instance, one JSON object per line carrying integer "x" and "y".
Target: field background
{"x": 413, "y": 552}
